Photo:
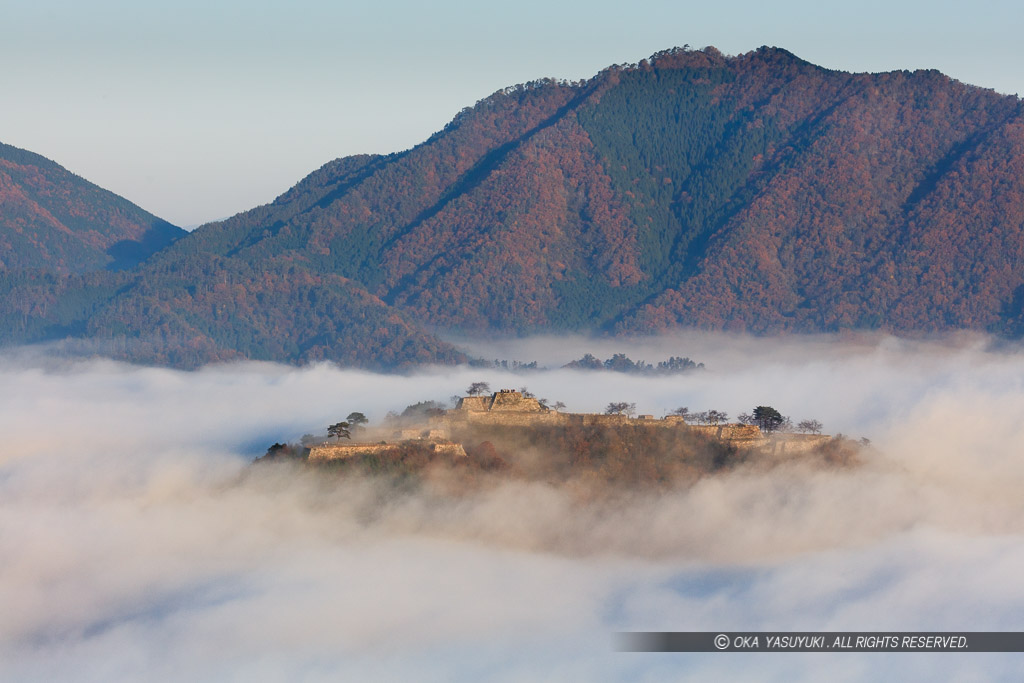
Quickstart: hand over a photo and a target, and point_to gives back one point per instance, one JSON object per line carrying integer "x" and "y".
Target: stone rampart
{"x": 342, "y": 451}
{"x": 506, "y": 400}
{"x": 509, "y": 418}
{"x": 474, "y": 403}
{"x": 730, "y": 431}
{"x": 795, "y": 443}
{"x": 510, "y": 408}
{"x": 449, "y": 448}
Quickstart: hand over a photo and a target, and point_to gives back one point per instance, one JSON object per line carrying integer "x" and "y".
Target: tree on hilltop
{"x": 677, "y": 364}
{"x": 620, "y": 362}
{"x": 620, "y": 408}
{"x": 356, "y": 420}
{"x": 810, "y": 426}
{"x": 339, "y": 430}
{"x": 767, "y": 418}
{"x": 715, "y": 417}
{"x": 477, "y": 388}
{"x": 588, "y": 362}
{"x": 423, "y": 409}
{"x": 709, "y": 417}
{"x": 546, "y": 404}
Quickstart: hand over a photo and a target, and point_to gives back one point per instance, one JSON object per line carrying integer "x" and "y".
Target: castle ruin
{"x": 509, "y": 407}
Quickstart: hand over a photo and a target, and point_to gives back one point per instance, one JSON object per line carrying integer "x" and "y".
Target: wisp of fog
{"x": 137, "y": 542}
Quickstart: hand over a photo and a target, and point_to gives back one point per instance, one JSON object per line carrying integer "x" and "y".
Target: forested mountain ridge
{"x": 54, "y": 220}
{"x": 67, "y": 249}
{"x": 757, "y": 192}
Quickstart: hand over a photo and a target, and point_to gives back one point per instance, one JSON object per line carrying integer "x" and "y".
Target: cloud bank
{"x": 137, "y": 542}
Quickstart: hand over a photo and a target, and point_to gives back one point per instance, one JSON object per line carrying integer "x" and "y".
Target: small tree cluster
{"x": 767, "y": 418}
{"x": 343, "y": 430}
{"x": 771, "y": 420}
{"x": 546, "y": 404}
{"x": 514, "y": 366}
{"x": 620, "y": 362}
{"x": 704, "y": 417}
{"x": 424, "y": 409}
{"x": 620, "y": 408}
{"x": 708, "y": 417}
{"x": 339, "y": 430}
{"x": 810, "y": 426}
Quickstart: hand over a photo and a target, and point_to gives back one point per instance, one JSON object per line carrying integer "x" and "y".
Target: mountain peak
{"x": 54, "y": 220}
{"x": 755, "y": 192}
{"x": 685, "y": 58}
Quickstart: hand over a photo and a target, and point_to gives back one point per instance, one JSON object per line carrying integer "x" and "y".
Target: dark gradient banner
{"x": 819, "y": 641}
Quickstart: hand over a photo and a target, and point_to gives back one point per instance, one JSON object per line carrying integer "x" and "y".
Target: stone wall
{"x": 796, "y": 443}
{"x": 341, "y": 451}
{"x": 510, "y": 418}
{"x": 506, "y": 400}
{"x": 514, "y": 401}
{"x": 449, "y": 448}
{"x": 509, "y": 408}
{"x": 731, "y": 432}
{"x": 474, "y": 403}
{"x": 747, "y": 435}
{"x": 436, "y": 436}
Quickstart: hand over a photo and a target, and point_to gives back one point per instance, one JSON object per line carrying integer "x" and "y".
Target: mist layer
{"x": 138, "y": 543}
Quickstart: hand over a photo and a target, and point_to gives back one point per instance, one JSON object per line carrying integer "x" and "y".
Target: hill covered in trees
{"x": 757, "y": 192}
{"x": 53, "y": 220}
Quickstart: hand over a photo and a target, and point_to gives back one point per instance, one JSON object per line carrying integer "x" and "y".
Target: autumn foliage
{"x": 757, "y": 193}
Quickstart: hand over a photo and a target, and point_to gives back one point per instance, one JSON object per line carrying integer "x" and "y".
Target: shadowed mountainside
{"x": 53, "y": 220}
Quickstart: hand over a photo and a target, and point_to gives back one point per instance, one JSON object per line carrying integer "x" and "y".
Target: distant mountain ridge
{"x": 758, "y": 193}
{"x": 53, "y": 220}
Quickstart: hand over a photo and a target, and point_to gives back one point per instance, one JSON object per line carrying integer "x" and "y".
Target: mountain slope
{"x": 66, "y": 276}
{"x": 756, "y": 192}
{"x": 54, "y": 220}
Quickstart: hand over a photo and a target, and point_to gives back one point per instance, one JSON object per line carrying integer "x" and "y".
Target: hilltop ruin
{"x": 510, "y": 408}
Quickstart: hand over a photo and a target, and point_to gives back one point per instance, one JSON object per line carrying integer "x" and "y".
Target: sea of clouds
{"x": 136, "y": 542}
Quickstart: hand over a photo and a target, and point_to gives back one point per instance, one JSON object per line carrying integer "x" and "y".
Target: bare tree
{"x": 477, "y": 388}
{"x": 716, "y": 416}
{"x": 810, "y": 426}
{"x": 621, "y": 408}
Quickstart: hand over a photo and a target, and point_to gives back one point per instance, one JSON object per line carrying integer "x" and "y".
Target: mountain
{"x": 757, "y": 192}
{"x": 54, "y": 220}
{"x": 70, "y": 255}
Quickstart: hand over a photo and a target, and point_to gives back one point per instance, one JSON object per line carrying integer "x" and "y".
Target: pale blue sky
{"x": 198, "y": 110}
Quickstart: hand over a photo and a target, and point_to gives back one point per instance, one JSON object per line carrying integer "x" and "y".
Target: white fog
{"x": 136, "y": 543}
